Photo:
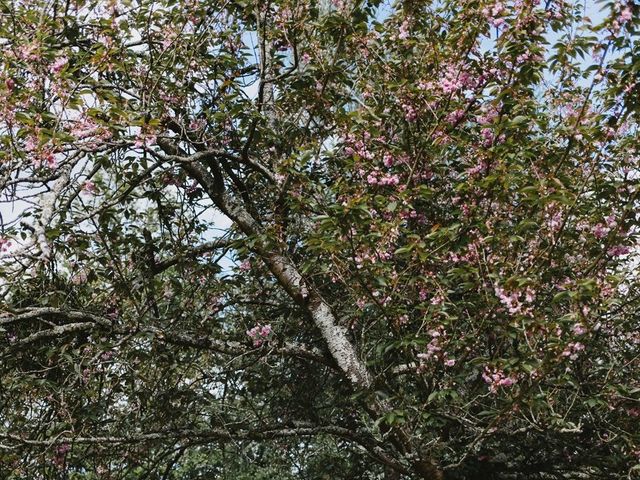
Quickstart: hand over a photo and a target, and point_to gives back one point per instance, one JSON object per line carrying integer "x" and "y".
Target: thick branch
{"x": 81, "y": 321}
{"x": 218, "y": 243}
{"x": 229, "y": 347}
{"x": 41, "y": 312}
{"x": 198, "y": 437}
{"x": 288, "y": 276}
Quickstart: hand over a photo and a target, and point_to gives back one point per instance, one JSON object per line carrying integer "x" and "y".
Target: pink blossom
{"x": 450, "y": 362}
{"x": 487, "y": 136}
{"x": 600, "y": 231}
{"x": 197, "y": 124}
{"x": 404, "y": 30}
{"x": 259, "y": 334}
{"x": 506, "y": 382}
{"x": 492, "y": 14}
{"x": 456, "y": 78}
{"x": 455, "y": 116}
{"x": 611, "y": 221}
{"x": 88, "y": 187}
{"x": 84, "y": 129}
{"x": 497, "y": 378}
{"x": 572, "y": 350}
{"x": 437, "y": 299}
{"x": 480, "y": 167}
{"x": 410, "y": 113}
{"x": 29, "y": 52}
{"x": 106, "y": 356}
{"x": 579, "y": 329}
{"x": 633, "y": 412}
{"x": 145, "y": 140}
{"x": 389, "y": 180}
{"x": 488, "y": 116}
{"x": 60, "y": 454}
{"x": 58, "y": 65}
{"x": 265, "y": 331}
{"x": 625, "y": 15}
{"x": 530, "y": 295}
{"x": 555, "y": 221}
{"x": 46, "y": 158}
{"x": 511, "y": 300}
{"x": 339, "y": 4}
{"x": 5, "y": 243}
{"x": 618, "y": 250}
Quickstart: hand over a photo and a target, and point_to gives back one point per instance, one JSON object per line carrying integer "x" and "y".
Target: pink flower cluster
{"x": 88, "y": 187}
{"x": 5, "y": 243}
{"x": 60, "y": 454}
{"x": 513, "y": 300}
{"x": 59, "y": 64}
{"x": 480, "y": 167}
{"x": 259, "y": 334}
{"x": 434, "y": 349}
{"x": 29, "y": 52}
{"x": 388, "y": 160}
{"x": 403, "y": 31}
{"x": 601, "y": 230}
{"x": 496, "y": 378}
{"x": 473, "y": 251}
{"x": 618, "y": 250}
{"x": 41, "y": 155}
{"x": 488, "y": 115}
{"x": 410, "y": 112}
{"x": 579, "y": 329}
{"x": 456, "y": 78}
{"x": 455, "y": 116}
{"x": 378, "y": 178}
{"x": 83, "y": 129}
{"x": 145, "y": 140}
{"x": 625, "y": 15}
{"x": 489, "y": 138}
{"x": 437, "y": 299}
{"x": 555, "y": 220}
{"x": 572, "y": 350}
{"x": 358, "y": 147}
{"x": 493, "y": 14}
{"x": 372, "y": 257}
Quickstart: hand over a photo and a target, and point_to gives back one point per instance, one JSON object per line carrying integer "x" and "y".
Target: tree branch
{"x": 218, "y": 243}
{"x": 286, "y": 273}
{"x": 199, "y": 437}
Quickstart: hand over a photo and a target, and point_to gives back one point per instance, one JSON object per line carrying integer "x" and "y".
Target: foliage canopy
{"x": 296, "y": 239}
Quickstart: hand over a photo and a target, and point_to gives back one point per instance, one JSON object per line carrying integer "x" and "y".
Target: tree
{"x": 294, "y": 239}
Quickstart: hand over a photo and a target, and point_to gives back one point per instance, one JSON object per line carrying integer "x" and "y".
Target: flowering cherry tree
{"x": 295, "y": 239}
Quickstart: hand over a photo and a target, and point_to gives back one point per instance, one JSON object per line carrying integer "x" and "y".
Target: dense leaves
{"x": 337, "y": 239}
